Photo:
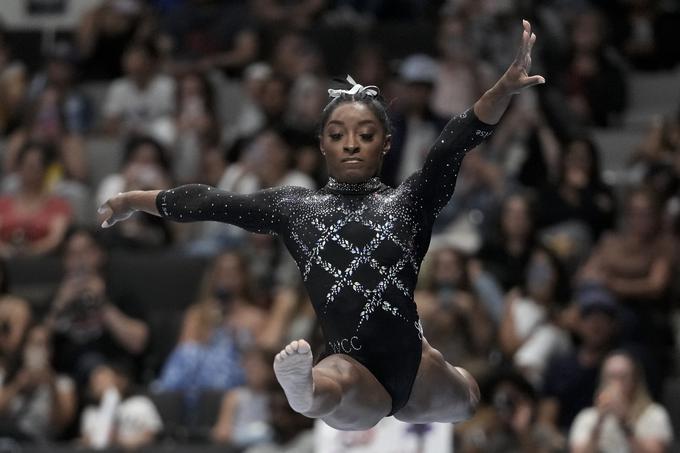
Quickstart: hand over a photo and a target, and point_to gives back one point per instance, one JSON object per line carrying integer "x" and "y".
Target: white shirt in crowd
{"x": 131, "y": 418}
{"x": 654, "y": 423}
{"x": 147, "y": 110}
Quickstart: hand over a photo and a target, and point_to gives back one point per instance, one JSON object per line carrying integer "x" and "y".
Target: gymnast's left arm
{"x": 437, "y": 179}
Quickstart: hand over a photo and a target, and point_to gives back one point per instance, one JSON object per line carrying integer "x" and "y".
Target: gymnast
{"x": 358, "y": 244}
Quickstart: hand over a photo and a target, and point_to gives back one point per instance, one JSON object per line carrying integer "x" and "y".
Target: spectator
{"x": 207, "y": 35}
{"x": 529, "y": 331}
{"x": 308, "y": 97}
{"x": 117, "y": 416}
{"x": 505, "y": 253}
{"x": 36, "y": 403}
{"x": 12, "y": 87}
{"x": 215, "y": 329}
{"x": 46, "y": 122}
{"x": 508, "y": 420}
{"x": 196, "y": 123}
{"x": 274, "y": 100}
{"x": 244, "y": 412}
{"x": 624, "y": 417}
{"x": 92, "y": 325}
{"x": 580, "y": 195}
{"x": 295, "y": 55}
{"x": 104, "y": 33}
{"x": 415, "y": 127}
{"x": 594, "y": 80}
{"x": 635, "y": 263}
{"x": 15, "y": 318}
{"x": 644, "y": 31}
{"x": 59, "y": 73}
{"x": 33, "y": 221}
{"x": 462, "y": 75}
{"x": 145, "y": 166}
{"x": 270, "y": 158}
{"x": 454, "y": 320}
{"x": 571, "y": 379}
{"x": 143, "y": 100}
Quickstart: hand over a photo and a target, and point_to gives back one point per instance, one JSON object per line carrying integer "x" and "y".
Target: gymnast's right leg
{"x": 339, "y": 390}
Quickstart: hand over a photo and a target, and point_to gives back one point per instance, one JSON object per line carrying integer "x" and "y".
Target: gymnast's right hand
{"x": 115, "y": 209}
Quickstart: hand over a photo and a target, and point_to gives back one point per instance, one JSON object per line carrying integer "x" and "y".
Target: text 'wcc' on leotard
{"x": 358, "y": 246}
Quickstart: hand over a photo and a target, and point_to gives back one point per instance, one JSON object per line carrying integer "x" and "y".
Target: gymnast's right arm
{"x": 258, "y": 212}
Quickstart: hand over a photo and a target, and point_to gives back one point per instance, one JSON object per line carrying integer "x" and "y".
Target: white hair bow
{"x": 370, "y": 90}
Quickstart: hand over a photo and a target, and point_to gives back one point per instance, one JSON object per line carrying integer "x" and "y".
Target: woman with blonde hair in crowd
{"x": 624, "y": 417}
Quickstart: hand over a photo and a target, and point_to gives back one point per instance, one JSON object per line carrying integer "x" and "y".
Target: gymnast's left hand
{"x": 517, "y": 77}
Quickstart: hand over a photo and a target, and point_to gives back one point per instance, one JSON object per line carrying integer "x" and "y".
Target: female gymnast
{"x": 359, "y": 245}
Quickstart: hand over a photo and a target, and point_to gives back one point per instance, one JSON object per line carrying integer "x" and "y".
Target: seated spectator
{"x": 103, "y": 34}
{"x": 593, "y": 76}
{"x": 12, "y": 87}
{"x": 143, "y": 101}
{"x": 36, "y": 403}
{"x": 505, "y": 253}
{"x": 529, "y": 331}
{"x": 46, "y": 122}
{"x": 60, "y": 73}
{"x": 92, "y": 325}
{"x": 624, "y": 418}
{"x": 635, "y": 263}
{"x": 308, "y": 96}
{"x": 215, "y": 329}
{"x": 33, "y": 221}
{"x": 145, "y": 166}
{"x": 415, "y": 127}
{"x": 580, "y": 195}
{"x": 196, "y": 123}
{"x": 644, "y": 31}
{"x": 208, "y": 35}
{"x": 15, "y": 318}
{"x": 50, "y": 117}
{"x": 244, "y": 413}
{"x": 507, "y": 420}
{"x": 117, "y": 417}
{"x": 462, "y": 75}
{"x": 454, "y": 319}
{"x": 571, "y": 379}
{"x": 295, "y": 55}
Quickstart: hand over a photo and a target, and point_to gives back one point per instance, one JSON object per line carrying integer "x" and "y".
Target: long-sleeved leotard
{"x": 358, "y": 246}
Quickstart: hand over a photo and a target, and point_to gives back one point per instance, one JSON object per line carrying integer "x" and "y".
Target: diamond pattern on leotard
{"x": 361, "y": 257}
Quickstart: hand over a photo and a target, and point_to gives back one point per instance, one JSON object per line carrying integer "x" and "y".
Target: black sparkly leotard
{"x": 358, "y": 246}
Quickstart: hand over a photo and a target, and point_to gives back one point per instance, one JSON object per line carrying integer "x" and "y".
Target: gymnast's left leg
{"x": 441, "y": 392}
{"x": 339, "y": 390}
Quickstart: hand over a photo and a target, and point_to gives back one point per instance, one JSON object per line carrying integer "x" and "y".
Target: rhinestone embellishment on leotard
{"x": 360, "y": 188}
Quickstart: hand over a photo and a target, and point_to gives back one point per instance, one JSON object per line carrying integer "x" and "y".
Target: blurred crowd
{"x": 555, "y": 286}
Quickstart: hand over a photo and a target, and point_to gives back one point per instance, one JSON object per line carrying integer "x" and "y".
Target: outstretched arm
{"x": 435, "y": 183}
{"x": 259, "y": 212}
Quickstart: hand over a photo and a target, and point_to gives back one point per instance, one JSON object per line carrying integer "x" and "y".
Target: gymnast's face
{"x": 353, "y": 142}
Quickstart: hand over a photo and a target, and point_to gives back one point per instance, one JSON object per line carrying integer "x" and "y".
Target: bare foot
{"x": 293, "y": 368}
